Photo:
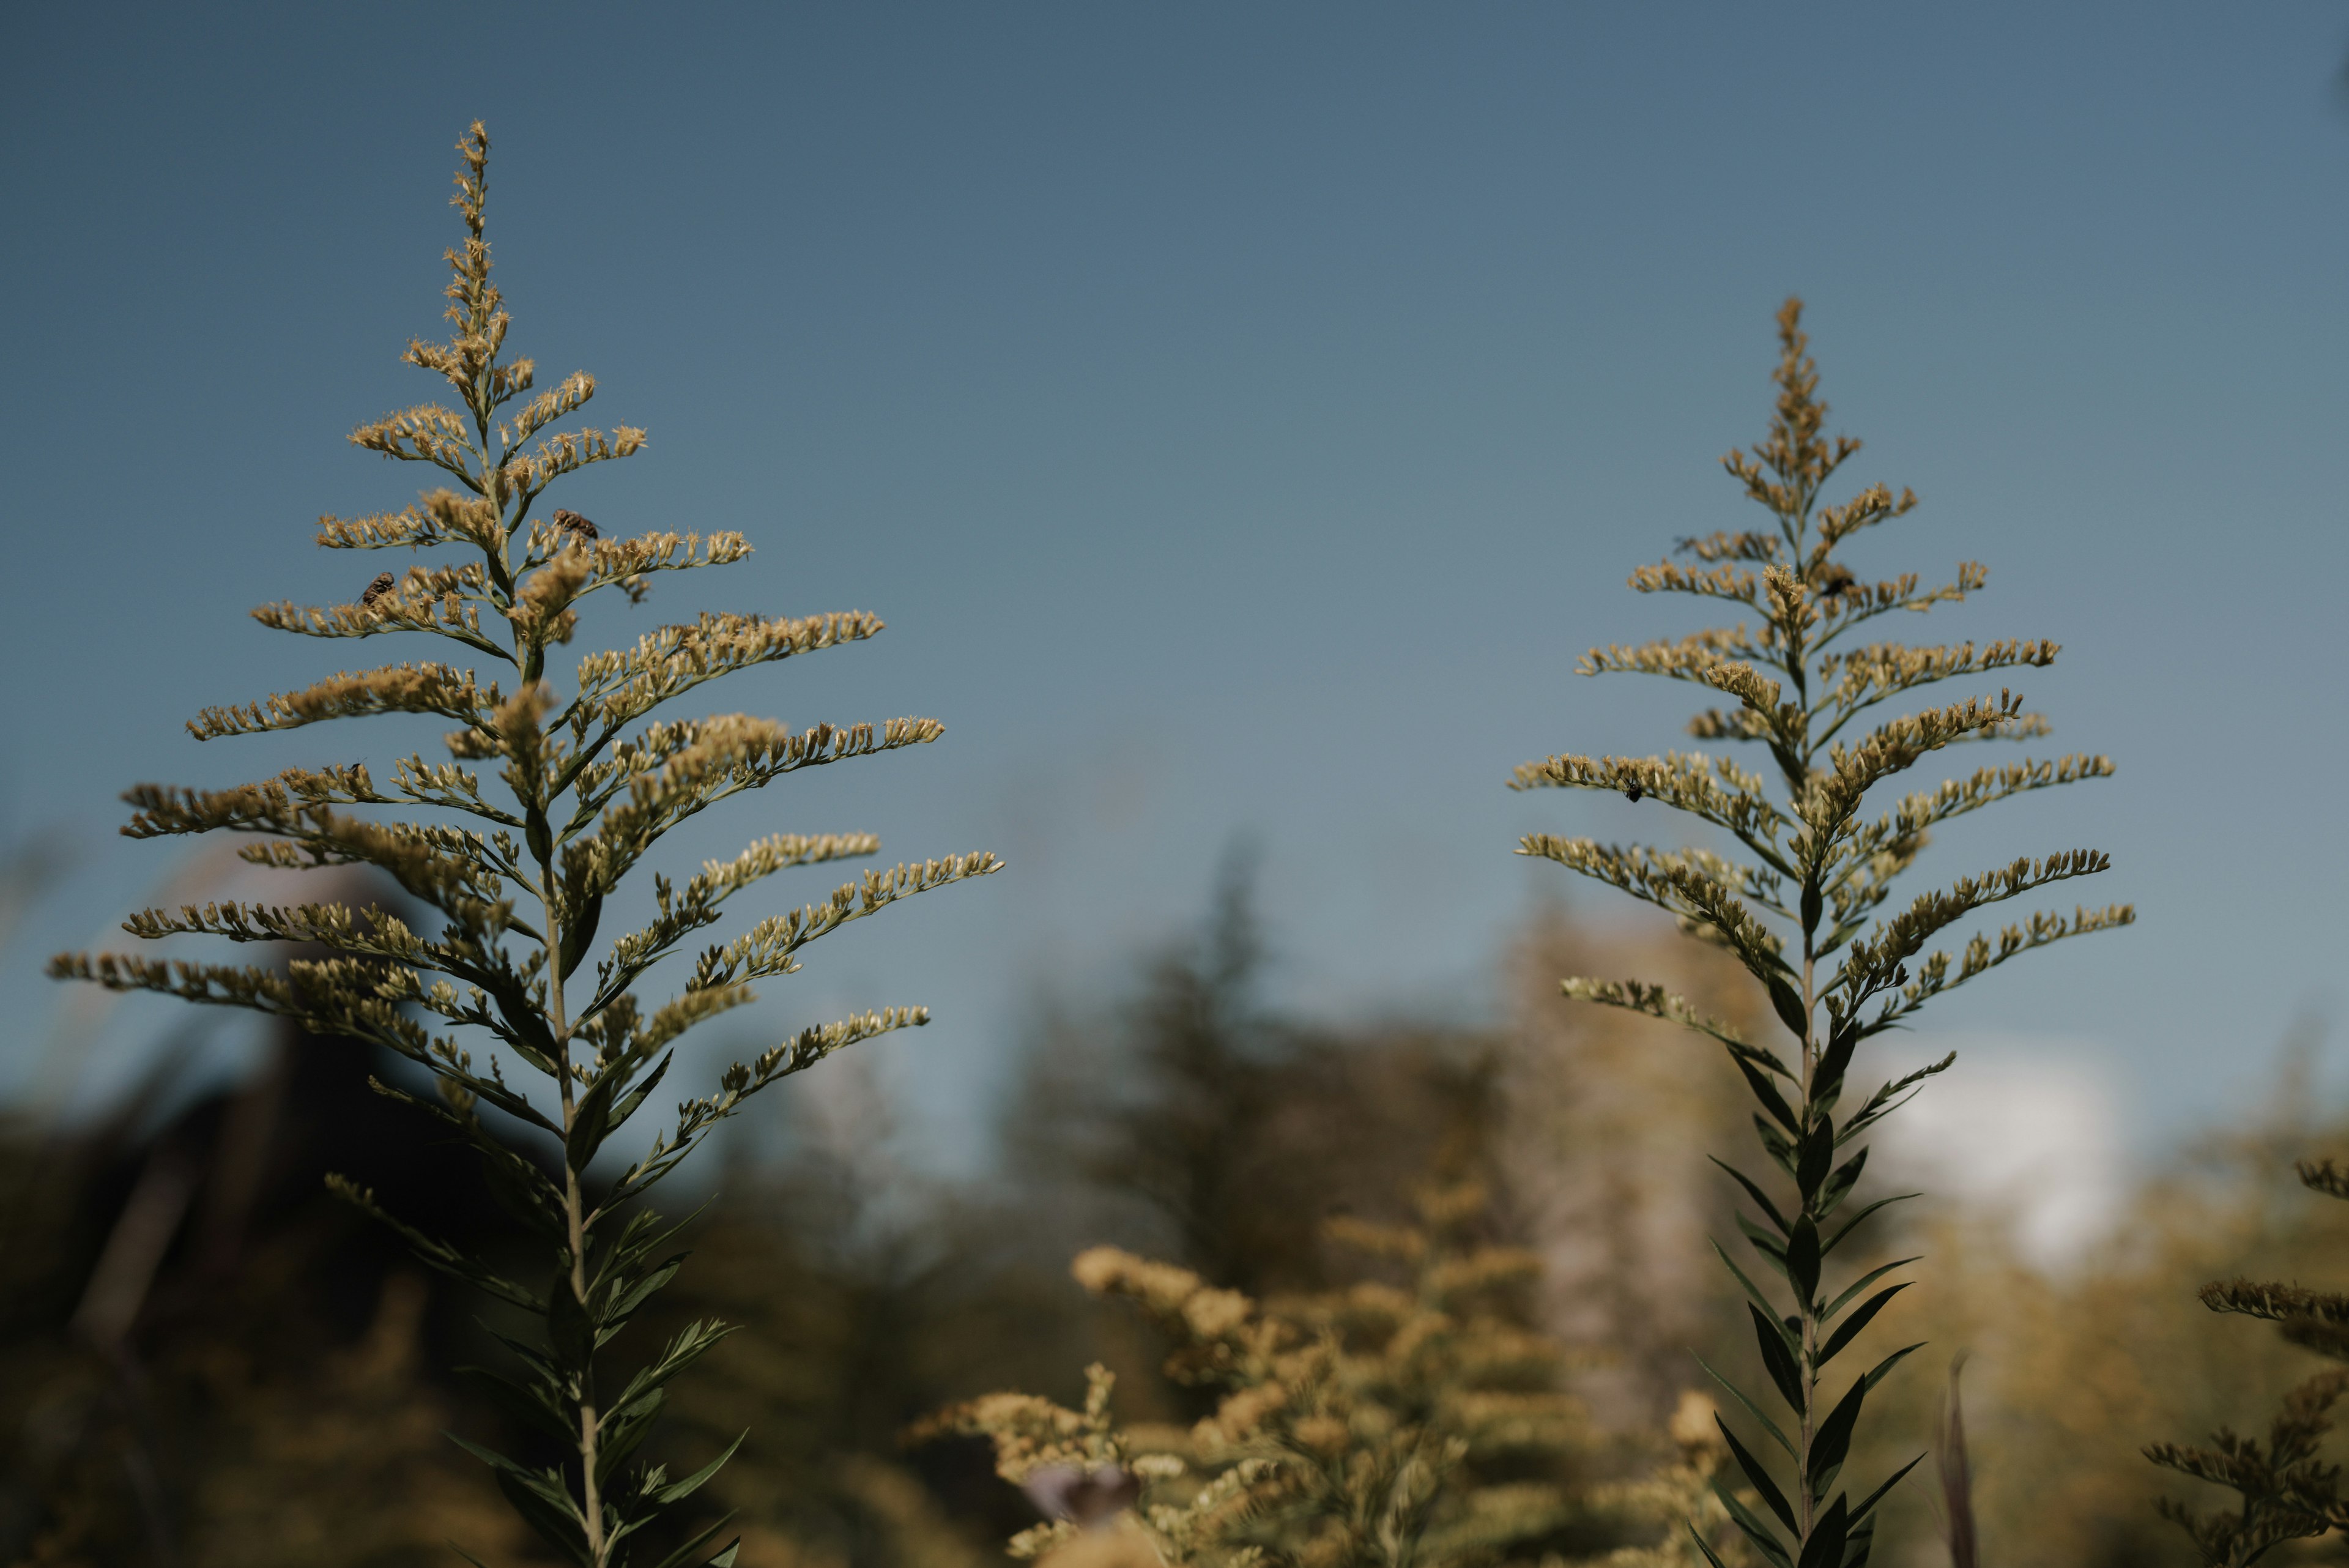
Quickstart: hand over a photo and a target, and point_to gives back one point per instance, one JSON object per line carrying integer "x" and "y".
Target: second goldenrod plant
{"x": 1799, "y": 893}
{"x": 1417, "y": 1424}
{"x": 519, "y": 880}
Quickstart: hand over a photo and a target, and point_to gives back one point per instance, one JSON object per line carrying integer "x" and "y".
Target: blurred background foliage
{"x": 205, "y": 1361}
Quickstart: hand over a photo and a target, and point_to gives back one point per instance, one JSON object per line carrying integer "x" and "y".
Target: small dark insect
{"x": 377, "y": 588}
{"x": 572, "y": 523}
{"x": 1833, "y": 577}
{"x": 1089, "y": 1496}
{"x": 1633, "y": 794}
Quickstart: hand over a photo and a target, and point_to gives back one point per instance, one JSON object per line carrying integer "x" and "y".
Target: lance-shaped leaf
{"x": 1772, "y": 1247}
{"x": 1779, "y": 1359}
{"x": 1765, "y": 1540}
{"x": 541, "y": 1498}
{"x": 679, "y": 1491}
{"x": 1753, "y": 1292}
{"x": 434, "y": 1253}
{"x": 1868, "y": 1504}
{"x": 1847, "y": 1330}
{"x": 571, "y": 1326}
{"x": 1828, "y": 1313}
{"x": 698, "y": 1540}
{"x": 1752, "y": 1409}
{"x": 534, "y": 1405}
{"x": 1803, "y": 1261}
{"x": 1824, "y": 1549}
{"x": 1765, "y": 1487}
{"x": 1752, "y": 1190}
{"x": 1831, "y": 1444}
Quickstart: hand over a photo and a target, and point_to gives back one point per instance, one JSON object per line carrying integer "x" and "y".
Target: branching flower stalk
{"x": 1802, "y": 907}
{"x": 591, "y": 780}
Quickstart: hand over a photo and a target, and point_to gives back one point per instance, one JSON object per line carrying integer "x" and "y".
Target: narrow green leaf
{"x": 1763, "y": 1487}
{"x": 528, "y": 1405}
{"x": 1813, "y": 1157}
{"x": 1853, "y": 1223}
{"x": 580, "y": 934}
{"x": 589, "y": 1120}
{"x": 1803, "y": 1261}
{"x": 1754, "y": 1531}
{"x": 1765, "y": 1060}
{"x": 437, "y": 1254}
{"x": 1858, "y": 1320}
{"x": 623, "y": 1430}
{"x": 1777, "y": 1359}
{"x": 1861, "y": 1283}
{"x": 628, "y": 1105}
{"x": 1885, "y": 1367}
{"x": 569, "y": 1330}
{"x": 624, "y": 1305}
{"x": 1710, "y": 1554}
{"x": 1789, "y": 1007}
{"x": 1772, "y": 1250}
{"x": 1751, "y": 1409}
{"x": 680, "y": 1490}
{"x": 1825, "y": 1548}
{"x": 1839, "y": 1185}
{"x": 1753, "y": 1290}
{"x": 1754, "y": 1192}
{"x": 538, "y": 1496}
{"x": 554, "y": 1527}
{"x": 521, "y": 1189}
{"x": 1831, "y": 1445}
{"x": 1878, "y": 1495}
{"x": 694, "y": 1543}
{"x": 529, "y": 1356}
{"x": 1827, "y": 1080}
{"x": 1767, "y": 1094}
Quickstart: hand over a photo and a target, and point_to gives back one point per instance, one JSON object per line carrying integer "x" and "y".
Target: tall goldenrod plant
{"x": 520, "y": 878}
{"x": 1799, "y": 894}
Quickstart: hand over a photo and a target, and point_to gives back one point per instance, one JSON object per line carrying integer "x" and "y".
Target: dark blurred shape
{"x": 1087, "y": 1497}
{"x": 1956, "y": 1469}
{"x": 209, "y": 1359}
{"x": 1191, "y": 1123}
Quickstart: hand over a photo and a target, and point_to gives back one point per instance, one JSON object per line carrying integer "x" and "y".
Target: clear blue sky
{"x": 1243, "y": 416}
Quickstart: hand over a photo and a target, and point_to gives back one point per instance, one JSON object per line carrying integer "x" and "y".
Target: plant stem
{"x": 1807, "y": 1308}
{"x": 575, "y": 1207}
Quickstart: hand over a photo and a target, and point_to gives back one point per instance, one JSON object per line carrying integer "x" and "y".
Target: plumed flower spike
{"x": 1803, "y": 889}
{"x": 586, "y": 777}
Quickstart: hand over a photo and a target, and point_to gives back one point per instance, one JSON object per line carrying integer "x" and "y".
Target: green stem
{"x": 574, "y": 1211}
